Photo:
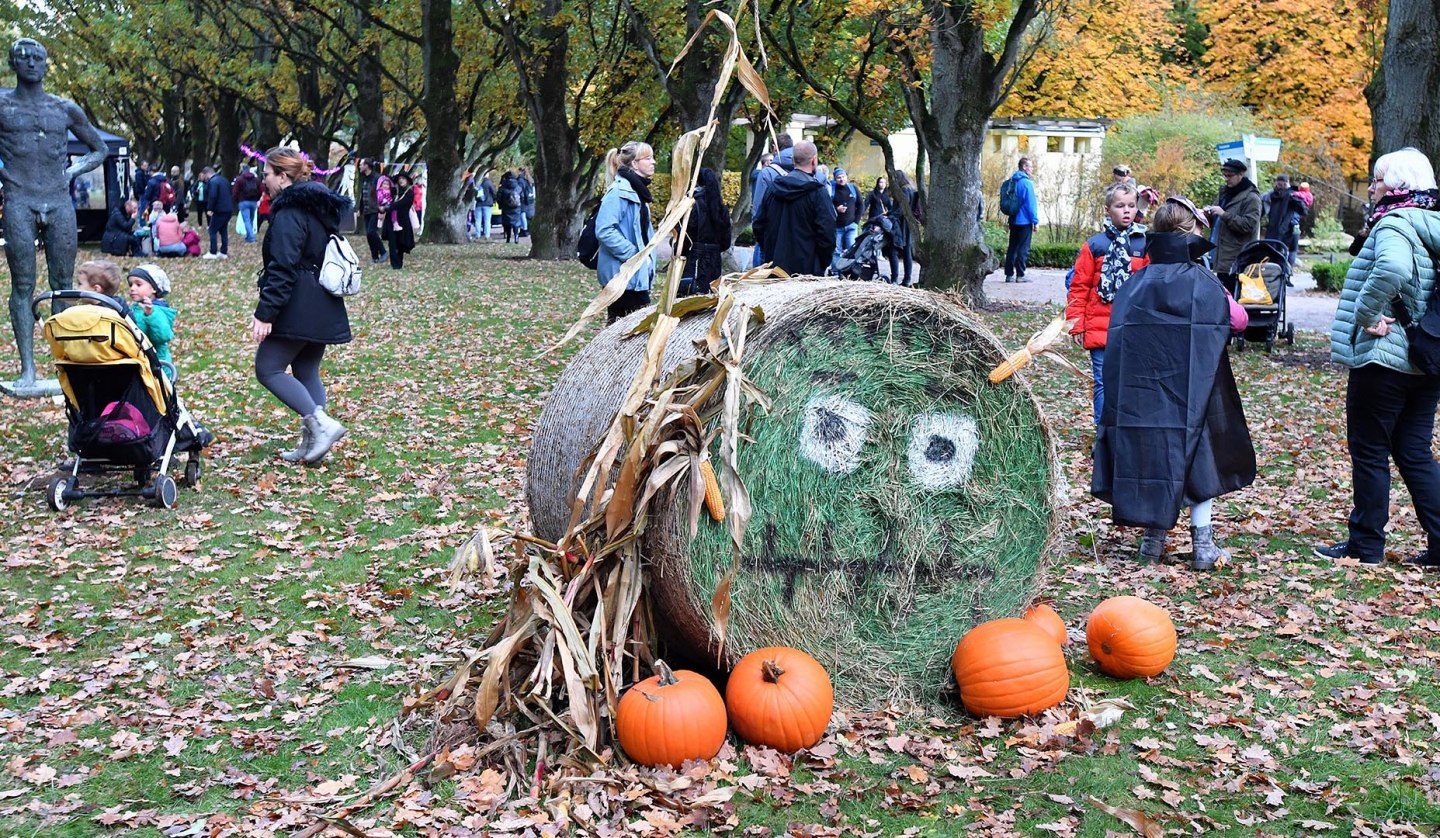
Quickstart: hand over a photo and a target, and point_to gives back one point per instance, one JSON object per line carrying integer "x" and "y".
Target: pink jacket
{"x": 167, "y": 229}
{"x": 1239, "y": 317}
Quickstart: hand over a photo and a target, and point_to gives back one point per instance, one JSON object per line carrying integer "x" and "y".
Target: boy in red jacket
{"x": 1103, "y": 265}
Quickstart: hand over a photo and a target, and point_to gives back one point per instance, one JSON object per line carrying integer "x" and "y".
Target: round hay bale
{"x": 899, "y": 498}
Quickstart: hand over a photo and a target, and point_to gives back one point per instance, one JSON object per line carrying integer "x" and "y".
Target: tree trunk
{"x": 955, "y": 255}
{"x": 369, "y": 93}
{"x": 1405, "y": 92}
{"x": 228, "y": 132}
{"x": 444, "y": 210}
{"x": 558, "y": 171}
{"x": 200, "y": 150}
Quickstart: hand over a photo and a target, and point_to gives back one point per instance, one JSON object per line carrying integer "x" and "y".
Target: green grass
{"x": 220, "y": 626}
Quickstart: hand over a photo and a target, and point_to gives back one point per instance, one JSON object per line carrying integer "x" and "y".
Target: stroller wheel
{"x": 164, "y": 492}
{"x": 1290, "y": 333}
{"x": 193, "y": 469}
{"x": 55, "y": 492}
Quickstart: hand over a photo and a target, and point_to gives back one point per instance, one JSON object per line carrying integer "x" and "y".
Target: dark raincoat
{"x": 1172, "y": 432}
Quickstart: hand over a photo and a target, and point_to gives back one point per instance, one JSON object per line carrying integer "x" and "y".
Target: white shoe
{"x": 210, "y": 256}
{"x": 222, "y": 256}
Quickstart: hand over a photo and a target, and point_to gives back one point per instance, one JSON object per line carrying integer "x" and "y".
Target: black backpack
{"x": 1423, "y": 335}
{"x": 587, "y": 249}
{"x": 509, "y": 197}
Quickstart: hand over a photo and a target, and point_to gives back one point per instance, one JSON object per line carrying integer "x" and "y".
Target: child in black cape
{"x": 1172, "y": 431}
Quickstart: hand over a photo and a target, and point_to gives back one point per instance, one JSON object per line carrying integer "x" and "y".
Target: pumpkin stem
{"x": 667, "y": 675}
{"x": 772, "y": 672}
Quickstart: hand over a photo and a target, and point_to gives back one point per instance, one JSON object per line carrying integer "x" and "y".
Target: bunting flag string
{"x": 260, "y": 155}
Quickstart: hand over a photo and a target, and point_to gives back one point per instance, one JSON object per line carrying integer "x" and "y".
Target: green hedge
{"x": 1052, "y": 255}
{"x": 1329, "y": 276}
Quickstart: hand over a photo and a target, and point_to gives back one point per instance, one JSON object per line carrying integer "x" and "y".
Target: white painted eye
{"x": 942, "y": 450}
{"x": 834, "y": 432}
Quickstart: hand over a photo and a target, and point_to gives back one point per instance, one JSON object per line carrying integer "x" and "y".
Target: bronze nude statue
{"x": 33, "y": 145}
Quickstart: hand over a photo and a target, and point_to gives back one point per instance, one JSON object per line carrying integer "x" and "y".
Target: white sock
{"x": 1200, "y": 513}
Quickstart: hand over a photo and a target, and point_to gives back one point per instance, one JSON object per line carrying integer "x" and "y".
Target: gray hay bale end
{"x": 899, "y": 498}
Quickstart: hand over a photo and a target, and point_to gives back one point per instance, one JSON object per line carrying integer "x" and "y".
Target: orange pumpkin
{"x": 1009, "y": 668}
{"x": 1042, "y": 615}
{"x": 671, "y": 717}
{"x": 1131, "y": 638}
{"x": 780, "y": 698}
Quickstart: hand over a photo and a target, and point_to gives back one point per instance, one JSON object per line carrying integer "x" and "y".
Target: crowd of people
{"x": 1153, "y": 305}
{"x": 1170, "y": 427}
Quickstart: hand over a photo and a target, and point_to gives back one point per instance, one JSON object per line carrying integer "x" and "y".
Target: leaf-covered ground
{"x": 238, "y": 665}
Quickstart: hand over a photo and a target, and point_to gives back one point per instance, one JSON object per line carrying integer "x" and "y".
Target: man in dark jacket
{"x": 796, "y": 224}
{"x": 370, "y": 210}
{"x": 770, "y": 171}
{"x": 220, "y": 204}
{"x": 246, "y": 193}
{"x": 1235, "y": 217}
{"x": 1283, "y": 209}
{"x": 484, "y": 200}
{"x": 847, "y": 212}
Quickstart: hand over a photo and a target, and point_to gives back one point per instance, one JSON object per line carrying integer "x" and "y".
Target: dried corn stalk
{"x": 577, "y": 626}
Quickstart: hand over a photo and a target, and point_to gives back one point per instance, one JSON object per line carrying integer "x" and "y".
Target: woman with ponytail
{"x": 623, "y": 227}
{"x": 296, "y": 318}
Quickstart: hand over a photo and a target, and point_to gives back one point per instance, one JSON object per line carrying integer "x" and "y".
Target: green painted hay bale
{"x": 899, "y": 498}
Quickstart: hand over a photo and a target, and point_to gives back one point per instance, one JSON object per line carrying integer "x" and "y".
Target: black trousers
{"x": 1017, "y": 250}
{"x": 1391, "y": 415}
{"x": 372, "y": 235}
{"x": 628, "y": 302}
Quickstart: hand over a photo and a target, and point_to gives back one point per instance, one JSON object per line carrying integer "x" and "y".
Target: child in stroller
{"x": 862, "y": 260}
{"x": 121, "y": 407}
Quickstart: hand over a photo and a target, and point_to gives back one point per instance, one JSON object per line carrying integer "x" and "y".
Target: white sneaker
{"x": 222, "y": 256}
{"x": 210, "y": 256}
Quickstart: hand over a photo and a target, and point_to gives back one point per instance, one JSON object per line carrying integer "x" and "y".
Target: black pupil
{"x": 940, "y": 449}
{"x": 830, "y": 427}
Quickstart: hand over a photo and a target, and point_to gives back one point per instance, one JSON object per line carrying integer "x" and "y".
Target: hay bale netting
{"x": 899, "y": 498}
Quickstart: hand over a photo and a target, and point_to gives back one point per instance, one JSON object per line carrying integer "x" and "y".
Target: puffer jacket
{"x": 1396, "y": 261}
{"x": 302, "y": 217}
{"x": 1083, "y": 304}
{"x": 617, "y": 227}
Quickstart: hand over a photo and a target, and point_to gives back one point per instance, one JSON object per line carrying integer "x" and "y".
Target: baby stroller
{"x": 1267, "y": 322}
{"x": 122, "y": 410}
{"x": 862, "y": 260}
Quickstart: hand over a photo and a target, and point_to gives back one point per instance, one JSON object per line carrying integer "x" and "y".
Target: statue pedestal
{"x": 38, "y": 389}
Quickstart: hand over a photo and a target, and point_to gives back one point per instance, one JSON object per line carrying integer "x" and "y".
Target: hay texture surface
{"x": 898, "y": 497}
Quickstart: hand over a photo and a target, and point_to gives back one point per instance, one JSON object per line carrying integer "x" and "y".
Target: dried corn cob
{"x": 713, "y": 501}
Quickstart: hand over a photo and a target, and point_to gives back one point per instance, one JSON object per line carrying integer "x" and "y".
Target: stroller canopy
{"x": 89, "y": 335}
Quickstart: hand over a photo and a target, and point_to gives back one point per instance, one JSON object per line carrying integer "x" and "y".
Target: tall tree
{"x": 977, "y": 48}
{"x": 1103, "y": 58}
{"x": 1405, "y": 93}
{"x": 442, "y": 123}
{"x": 1302, "y": 66}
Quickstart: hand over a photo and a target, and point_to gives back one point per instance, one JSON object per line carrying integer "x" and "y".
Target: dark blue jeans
{"x": 220, "y": 222}
{"x": 1391, "y": 415}
{"x": 1097, "y": 367}
{"x": 1017, "y": 253}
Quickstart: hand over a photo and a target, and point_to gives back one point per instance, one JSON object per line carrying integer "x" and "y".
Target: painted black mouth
{"x": 858, "y": 571}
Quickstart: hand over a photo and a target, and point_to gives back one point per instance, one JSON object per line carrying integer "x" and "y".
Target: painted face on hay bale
{"x": 899, "y": 499}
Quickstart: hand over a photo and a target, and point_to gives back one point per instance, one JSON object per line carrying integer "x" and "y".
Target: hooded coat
{"x": 302, "y": 217}
{"x": 1172, "y": 432}
{"x": 796, "y": 225}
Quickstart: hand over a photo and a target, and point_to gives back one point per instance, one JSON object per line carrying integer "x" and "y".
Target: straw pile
{"x": 896, "y": 497}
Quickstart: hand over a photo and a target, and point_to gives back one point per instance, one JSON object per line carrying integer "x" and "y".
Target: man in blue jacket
{"x": 1022, "y": 223}
{"x": 220, "y": 205}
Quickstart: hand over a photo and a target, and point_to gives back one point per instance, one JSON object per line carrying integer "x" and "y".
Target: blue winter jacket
{"x": 617, "y": 227}
{"x": 1029, "y": 213}
{"x": 1396, "y": 261}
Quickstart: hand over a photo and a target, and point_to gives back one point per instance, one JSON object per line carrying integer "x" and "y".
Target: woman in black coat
{"x": 119, "y": 236}
{"x": 295, "y": 318}
{"x": 399, "y": 222}
{"x": 902, "y": 240}
{"x": 708, "y": 236}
